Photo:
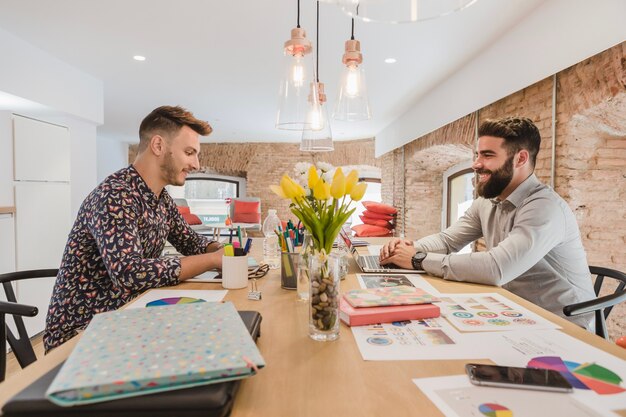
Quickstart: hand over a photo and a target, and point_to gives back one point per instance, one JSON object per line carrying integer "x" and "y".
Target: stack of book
{"x": 386, "y": 305}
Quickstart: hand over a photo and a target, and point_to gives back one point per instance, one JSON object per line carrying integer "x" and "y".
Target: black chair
{"x": 602, "y": 306}
{"x": 20, "y": 344}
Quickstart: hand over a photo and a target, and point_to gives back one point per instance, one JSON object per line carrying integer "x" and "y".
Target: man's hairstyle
{"x": 518, "y": 133}
{"x": 167, "y": 121}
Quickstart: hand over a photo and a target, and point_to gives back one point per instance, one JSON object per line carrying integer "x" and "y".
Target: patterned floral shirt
{"x": 113, "y": 253}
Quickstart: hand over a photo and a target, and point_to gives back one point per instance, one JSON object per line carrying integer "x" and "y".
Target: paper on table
{"x": 430, "y": 339}
{"x": 156, "y": 294}
{"x": 488, "y": 312}
{"x": 457, "y": 397}
{"x": 392, "y": 280}
{"x": 602, "y": 372}
{"x": 374, "y": 249}
{"x": 208, "y": 276}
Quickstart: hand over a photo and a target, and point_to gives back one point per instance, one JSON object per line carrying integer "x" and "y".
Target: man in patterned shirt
{"x": 113, "y": 252}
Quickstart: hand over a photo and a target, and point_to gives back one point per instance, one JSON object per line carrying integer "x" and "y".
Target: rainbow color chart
{"x": 587, "y": 376}
{"x": 174, "y": 300}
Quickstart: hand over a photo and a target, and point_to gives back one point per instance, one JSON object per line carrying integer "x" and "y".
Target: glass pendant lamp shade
{"x": 294, "y": 85}
{"x": 352, "y": 103}
{"x": 317, "y": 136}
{"x": 400, "y": 11}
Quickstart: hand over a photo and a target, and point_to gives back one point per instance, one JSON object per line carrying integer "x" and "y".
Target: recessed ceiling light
{"x": 139, "y": 58}
{"x": 390, "y": 60}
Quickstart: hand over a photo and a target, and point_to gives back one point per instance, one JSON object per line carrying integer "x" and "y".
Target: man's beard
{"x": 498, "y": 180}
{"x": 169, "y": 171}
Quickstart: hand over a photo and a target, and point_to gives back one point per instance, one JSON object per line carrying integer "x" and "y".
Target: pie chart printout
{"x": 174, "y": 300}
{"x": 588, "y": 376}
{"x": 494, "y": 410}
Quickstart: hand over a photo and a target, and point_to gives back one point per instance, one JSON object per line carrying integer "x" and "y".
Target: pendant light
{"x": 400, "y": 11}
{"x": 352, "y": 103}
{"x": 316, "y": 135}
{"x": 294, "y": 85}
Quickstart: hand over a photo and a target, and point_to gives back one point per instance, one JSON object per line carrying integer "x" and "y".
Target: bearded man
{"x": 113, "y": 252}
{"x": 533, "y": 242}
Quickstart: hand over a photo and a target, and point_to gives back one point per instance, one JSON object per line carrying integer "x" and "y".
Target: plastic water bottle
{"x": 271, "y": 248}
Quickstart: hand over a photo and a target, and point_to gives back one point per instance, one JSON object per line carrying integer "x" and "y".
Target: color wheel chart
{"x": 494, "y": 410}
{"x": 587, "y": 376}
{"x": 174, "y": 300}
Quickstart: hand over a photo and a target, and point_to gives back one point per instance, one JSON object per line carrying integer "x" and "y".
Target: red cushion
{"x": 246, "y": 212}
{"x": 183, "y": 209}
{"x": 376, "y": 222}
{"x": 191, "y": 218}
{"x": 368, "y": 230}
{"x": 380, "y": 207}
{"x": 377, "y": 216}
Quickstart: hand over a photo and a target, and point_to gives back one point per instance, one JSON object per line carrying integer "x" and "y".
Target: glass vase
{"x": 324, "y": 276}
{"x": 302, "y": 290}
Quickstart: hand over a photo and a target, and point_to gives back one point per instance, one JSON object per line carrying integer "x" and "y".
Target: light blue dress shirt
{"x": 533, "y": 244}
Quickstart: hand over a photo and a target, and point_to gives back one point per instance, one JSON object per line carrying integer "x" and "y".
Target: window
{"x": 206, "y": 195}
{"x": 458, "y": 195}
{"x": 371, "y": 176}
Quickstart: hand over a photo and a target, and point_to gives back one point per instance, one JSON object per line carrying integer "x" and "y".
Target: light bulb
{"x": 353, "y": 81}
{"x": 315, "y": 118}
{"x": 297, "y": 71}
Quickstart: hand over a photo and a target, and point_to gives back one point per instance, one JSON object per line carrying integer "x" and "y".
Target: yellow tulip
{"x": 358, "y": 191}
{"x": 321, "y": 191}
{"x": 298, "y": 189}
{"x": 278, "y": 191}
{"x": 313, "y": 177}
{"x": 338, "y": 187}
{"x": 287, "y": 186}
{"x": 351, "y": 180}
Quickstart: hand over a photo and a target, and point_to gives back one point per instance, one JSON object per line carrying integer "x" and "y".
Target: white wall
{"x": 32, "y": 74}
{"x": 6, "y": 159}
{"x": 557, "y": 35}
{"x": 112, "y": 156}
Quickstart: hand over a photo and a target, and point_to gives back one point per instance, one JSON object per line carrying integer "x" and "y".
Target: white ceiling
{"x": 223, "y": 59}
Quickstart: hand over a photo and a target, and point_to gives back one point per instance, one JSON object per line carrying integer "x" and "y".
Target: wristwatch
{"x": 416, "y": 260}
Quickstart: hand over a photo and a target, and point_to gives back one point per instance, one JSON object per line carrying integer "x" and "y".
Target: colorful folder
{"x": 133, "y": 352}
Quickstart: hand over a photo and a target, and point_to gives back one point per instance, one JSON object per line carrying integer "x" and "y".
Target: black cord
{"x": 352, "y": 37}
{"x": 317, "y": 45}
{"x": 298, "y": 13}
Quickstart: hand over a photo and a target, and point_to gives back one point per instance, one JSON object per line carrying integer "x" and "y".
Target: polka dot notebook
{"x": 133, "y": 352}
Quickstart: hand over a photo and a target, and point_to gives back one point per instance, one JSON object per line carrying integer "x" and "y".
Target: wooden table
{"x": 308, "y": 378}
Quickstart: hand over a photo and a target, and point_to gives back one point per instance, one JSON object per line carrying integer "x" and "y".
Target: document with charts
{"x": 488, "y": 312}
{"x": 455, "y": 396}
{"x": 597, "y": 376}
{"x": 431, "y": 339}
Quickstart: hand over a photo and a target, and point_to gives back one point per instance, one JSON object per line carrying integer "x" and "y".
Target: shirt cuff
{"x": 433, "y": 264}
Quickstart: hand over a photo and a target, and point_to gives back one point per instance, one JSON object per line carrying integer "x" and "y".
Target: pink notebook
{"x": 374, "y": 315}
{"x": 388, "y": 296}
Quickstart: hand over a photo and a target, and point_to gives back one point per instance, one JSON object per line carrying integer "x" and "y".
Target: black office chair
{"x": 20, "y": 345}
{"x": 602, "y": 306}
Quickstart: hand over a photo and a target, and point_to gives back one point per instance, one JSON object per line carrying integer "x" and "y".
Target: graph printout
{"x": 597, "y": 377}
{"x": 489, "y": 312}
{"x": 155, "y": 298}
{"x": 430, "y": 339}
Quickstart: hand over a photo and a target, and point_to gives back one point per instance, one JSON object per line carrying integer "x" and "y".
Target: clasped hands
{"x": 398, "y": 252}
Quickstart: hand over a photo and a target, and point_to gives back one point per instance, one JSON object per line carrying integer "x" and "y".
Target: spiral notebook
{"x": 133, "y": 352}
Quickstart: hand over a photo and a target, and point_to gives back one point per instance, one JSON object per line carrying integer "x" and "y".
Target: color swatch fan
{"x": 174, "y": 300}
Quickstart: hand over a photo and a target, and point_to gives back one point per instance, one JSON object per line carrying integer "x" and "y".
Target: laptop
{"x": 370, "y": 263}
{"x": 215, "y": 400}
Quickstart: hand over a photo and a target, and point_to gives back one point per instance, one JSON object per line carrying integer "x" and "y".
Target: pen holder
{"x": 289, "y": 270}
{"x": 234, "y": 272}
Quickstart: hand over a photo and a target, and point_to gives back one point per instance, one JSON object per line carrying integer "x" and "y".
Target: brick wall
{"x": 263, "y": 164}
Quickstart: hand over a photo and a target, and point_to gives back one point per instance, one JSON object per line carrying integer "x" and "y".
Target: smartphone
{"x": 511, "y": 377}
